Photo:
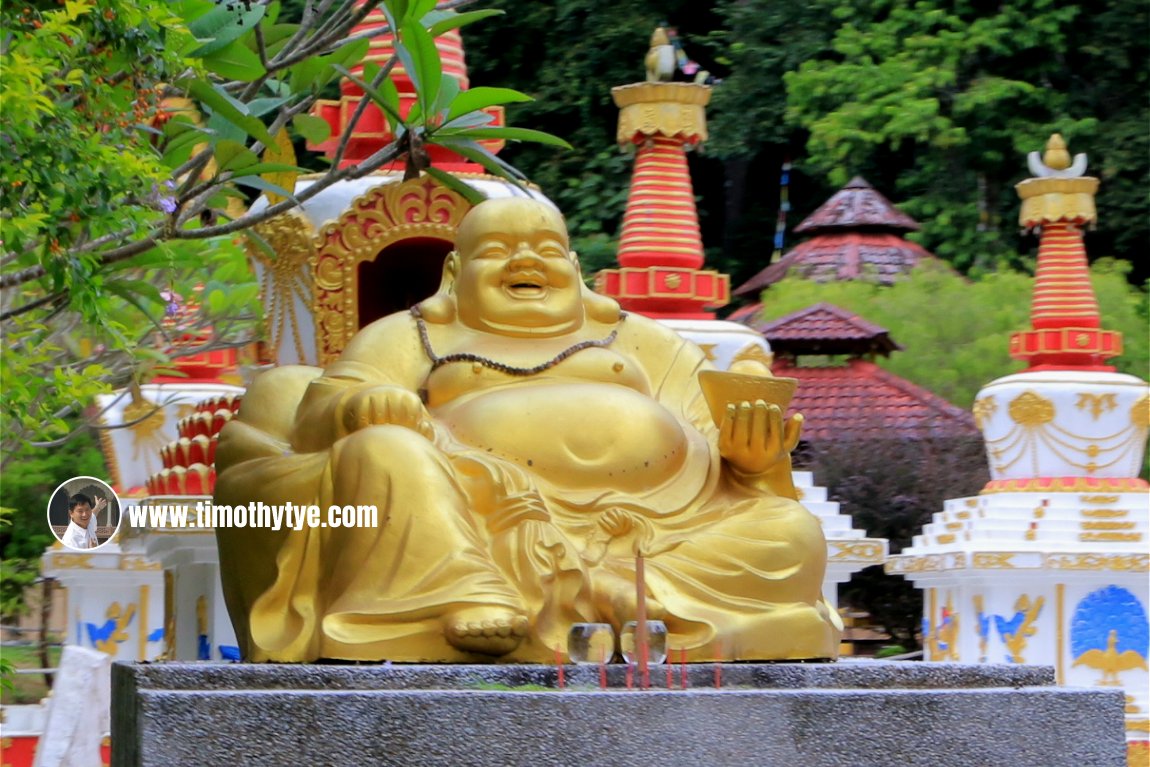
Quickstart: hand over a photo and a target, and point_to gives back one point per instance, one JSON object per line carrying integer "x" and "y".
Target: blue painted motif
{"x": 100, "y": 633}
{"x": 229, "y": 652}
{"x": 1110, "y": 609}
{"x": 1008, "y": 628}
{"x": 203, "y": 648}
{"x": 157, "y": 635}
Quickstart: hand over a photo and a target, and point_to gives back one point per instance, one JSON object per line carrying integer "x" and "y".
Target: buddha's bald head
{"x": 505, "y": 215}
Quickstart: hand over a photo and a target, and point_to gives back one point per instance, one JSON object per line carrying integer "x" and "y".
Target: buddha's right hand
{"x": 380, "y": 405}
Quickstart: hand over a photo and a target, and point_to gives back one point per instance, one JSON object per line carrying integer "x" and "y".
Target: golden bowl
{"x": 722, "y": 388}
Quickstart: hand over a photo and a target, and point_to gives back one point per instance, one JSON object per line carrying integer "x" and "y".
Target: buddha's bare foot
{"x": 616, "y": 600}
{"x": 486, "y": 630}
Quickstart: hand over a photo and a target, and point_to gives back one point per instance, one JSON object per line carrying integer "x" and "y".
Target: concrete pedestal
{"x": 855, "y": 713}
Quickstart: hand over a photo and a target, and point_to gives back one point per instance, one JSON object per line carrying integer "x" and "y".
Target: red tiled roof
{"x": 874, "y": 256}
{"x": 825, "y": 329}
{"x": 860, "y": 400}
{"x": 854, "y": 206}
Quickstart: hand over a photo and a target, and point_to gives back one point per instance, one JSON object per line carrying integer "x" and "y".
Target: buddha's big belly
{"x": 577, "y": 435}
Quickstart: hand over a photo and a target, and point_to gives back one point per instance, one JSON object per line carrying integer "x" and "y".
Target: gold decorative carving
{"x": 994, "y": 560}
{"x": 381, "y": 217}
{"x": 1016, "y": 642}
{"x": 169, "y": 652}
{"x": 1096, "y": 403}
{"x": 1105, "y": 513}
{"x": 1138, "y": 725}
{"x": 1099, "y": 499}
{"x": 1108, "y": 525}
{"x": 288, "y": 277}
{"x": 984, "y": 628}
{"x": 1030, "y": 410}
{"x": 944, "y": 539}
{"x": 864, "y": 551}
{"x": 1113, "y": 562}
{"x": 709, "y": 351}
{"x": 1111, "y": 662}
{"x": 1047, "y": 200}
{"x": 122, "y": 617}
{"x": 1110, "y": 537}
{"x": 72, "y": 561}
{"x": 666, "y": 109}
{"x": 138, "y": 563}
{"x": 984, "y": 409}
{"x": 1140, "y": 413}
{"x": 943, "y": 638}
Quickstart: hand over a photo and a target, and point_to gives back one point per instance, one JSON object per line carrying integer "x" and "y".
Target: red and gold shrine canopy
{"x": 856, "y": 234}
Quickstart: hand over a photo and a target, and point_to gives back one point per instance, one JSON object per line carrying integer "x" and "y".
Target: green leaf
{"x": 482, "y": 97}
{"x": 235, "y": 61}
{"x": 305, "y": 75}
{"x": 418, "y": 9}
{"x": 445, "y": 21}
{"x": 221, "y": 27}
{"x": 476, "y": 152}
{"x": 267, "y": 167}
{"x": 232, "y": 155}
{"x": 349, "y": 54}
{"x": 428, "y": 69}
{"x": 260, "y": 107}
{"x": 508, "y": 134}
{"x": 471, "y": 194}
{"x": 448, "y": 93}
{"x": 315, "y": 129}
{"x": 264, "y": 185}
{"x": 230, "y": 110}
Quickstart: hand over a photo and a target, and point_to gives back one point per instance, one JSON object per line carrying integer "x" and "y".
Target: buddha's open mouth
{"x": 526, "y": 286}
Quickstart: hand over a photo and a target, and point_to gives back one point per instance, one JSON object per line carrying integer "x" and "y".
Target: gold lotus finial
{"x": 1056, "y": 156}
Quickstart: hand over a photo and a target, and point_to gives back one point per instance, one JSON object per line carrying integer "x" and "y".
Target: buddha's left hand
{"x": 753, "y": 437}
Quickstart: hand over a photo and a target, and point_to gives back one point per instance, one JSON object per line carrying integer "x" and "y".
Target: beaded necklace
{"x": 437, "y": 361}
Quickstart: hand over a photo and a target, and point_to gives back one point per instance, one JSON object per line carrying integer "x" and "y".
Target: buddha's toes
{"x": 486, "y": 630}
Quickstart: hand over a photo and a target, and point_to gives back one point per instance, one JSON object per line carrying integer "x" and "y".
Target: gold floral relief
{"x": 1140, "y": 413}
{"x": 984, "y": 409}
{"x": 383, "y": 216}
{"x": 1097, "y": 404}
{"x": 1031, "y": 410}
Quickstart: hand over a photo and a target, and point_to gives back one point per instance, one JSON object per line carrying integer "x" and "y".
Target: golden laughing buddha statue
{"x": 523, "y": 439}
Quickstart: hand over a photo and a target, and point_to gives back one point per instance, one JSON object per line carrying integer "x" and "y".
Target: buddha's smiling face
{"x": 516, "y": 274}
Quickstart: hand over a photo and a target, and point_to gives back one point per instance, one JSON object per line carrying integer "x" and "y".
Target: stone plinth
{"x": 851, "y": 713}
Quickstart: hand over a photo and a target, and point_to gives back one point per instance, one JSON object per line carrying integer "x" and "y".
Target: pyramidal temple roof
{"x": 856, "y": 234}
{"x": 825, "y": 329}
{"x": 861, "y": 401}
{"x": 857, "y": 205}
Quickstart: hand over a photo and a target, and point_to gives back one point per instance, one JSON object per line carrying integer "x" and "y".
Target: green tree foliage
{"x": 131, "y": 132}
{"x": 940, "y": 100}
{"x": 954, "y": 331}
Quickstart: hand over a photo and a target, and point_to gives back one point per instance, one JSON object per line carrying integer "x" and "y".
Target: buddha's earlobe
{"x": 440, "y": 307}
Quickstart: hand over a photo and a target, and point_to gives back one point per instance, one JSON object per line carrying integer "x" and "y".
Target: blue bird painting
{"x": 1110, "y": 633}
